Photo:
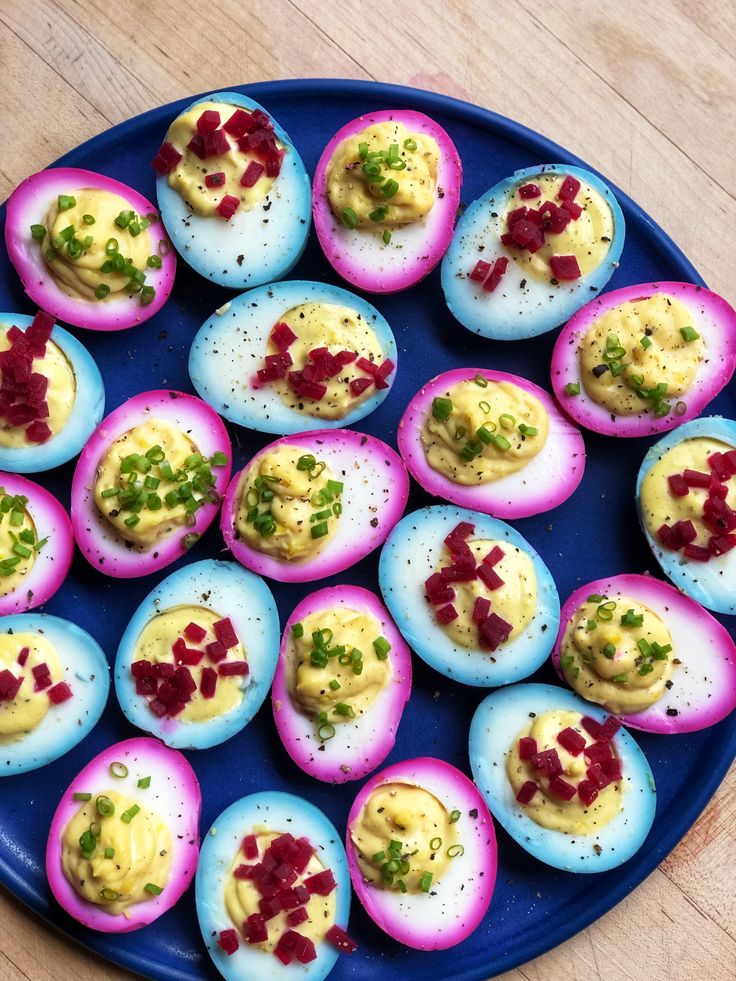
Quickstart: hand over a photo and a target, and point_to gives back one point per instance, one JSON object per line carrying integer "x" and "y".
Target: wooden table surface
{"x": 644, "y": 91}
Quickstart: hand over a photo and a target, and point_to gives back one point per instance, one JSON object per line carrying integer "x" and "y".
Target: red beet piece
{"x": 730, "y": 458}
{"x": 41, "y": 327}
{"x": 184, "y": 682}
{"x": 518, "y": 214}
{"x": 494, "y": 556}
{"x": 678, "y": 485}
{"x": 609, "y": 728}
{"x": 696, "y": 478}
{"x": 282, "y": 336}
{"x": 20, "y": 415}
{"x": 359, "y": 385}
{"x": 463, "y": 569}
{"x": 612, "y": 769}
{"x": 494, "y": 631}
{"x": 446, "y": 595}
{"x": 455, "y": 540}
{"x": 564, "y": 267}
{"x": 227, "y": 206}
{"x": 262, "y": 120}
{"x": 208, "y": 121}
{"x": 60, "y": 693}
{"x": 158, "y": 707}
{"x": 341, "y": 940}
{"x": 527, "y": 747}
{"x": 573, "y": 209}
{"x": 598, "y": 752}
{"x": 244, "y": 871}
{"x": 720, "y": 466}
{"x": 717, "y": 489}
{"x": 297, "y": 916}
{"x": 720, "y": 544}
{"x": 225, "y": 632}
{"x": 23, "y": 655}
{"x": 240, "y": 123}
{"x": 38, "y": 432}
{"x": 548, "y": 761}
{"x": 273, "y": 163}
{"x": 288, "y": 898}
{"x": 146, "y": 686}
{"x": 9, "y": 685}
{"x": 569, "y": 189}
{"x": 481, "y": 609}
{"x": 250, "y": 846}
{"x": 497, "y": 273}
{"x": 480, "y": 271}
{"x": 447, "y": 614}
{"x": 40, "y": 671}
{"x": 185, "y": 655}
{"x": 228, "y": 941}
{"x": 38, "y": 386}
{"x": 215, "y": 180}
{"x": 193, "y": 631}
{"x": 526, "y": 792}
{"x": 301, "y": 858}
{"x": 561, "y": 788}
{"x": 166, "y": 159}
{"x": 345, "y": 357}
{"x": 697, "y": 552}
{"x": 286, "y": 874}
{"x": 587, "y": 791}
{"x": 489, "y": 576}
{"x": 208, "y": 682}
{"x": 524, "y": 232}
{"x": 435, "y": 584}
{"x": 571, "y": 740}
{"x": 252, "y": 173}
{"x": 215, "y": 143}
{"x": 269, "y": 907}
{"x": 321, "y": 884}
{"x": 255, "y": 930}
{"x": 163, "y": 670}
{"x": 530, "y": 191}
{"x": 597, "y": 777}
{"x": 196, "y": 146}
{"x": 229, "y": 668}
{"x": 384, "y": 370}
{"x": 305, "y": 950}
{"x": 668, "y": 538}
{"x": 685, "y": 532}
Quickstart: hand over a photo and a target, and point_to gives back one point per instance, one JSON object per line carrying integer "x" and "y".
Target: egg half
{"x": 119, "y": 308}
{"x": 507, "y": 302}
{"x": 455, "y": 901}
{"x": 413, "y": 552}
{"x": 356, "y": 743}
{"x": 543, "y": 482}
{"x": 161, "y": 784}
{"x": 696, "y": 313}
{"x": 229, "y": 349}
{"x": 189, "y": 608}
{"x": 498, "y": 723}
{"x": 260, "y": 814}
{"x": 52, "y": 712}
{"x": 701, "y": 689}
{"x": 189, "y": 423}
{"x": 367, "y": 259}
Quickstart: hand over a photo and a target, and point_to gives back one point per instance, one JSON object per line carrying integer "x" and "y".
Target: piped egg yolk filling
{"x": 96, "y": 247}
{"x": 617, "y": 653}
{"x": 55, "y": 395}
{"x": 116, "y": 852}
{"x": 32, "y": 661}
{"x": 324, "y": 359}
{"x": 19, "y": 544}
{"x": 641, "y": 353}
{"x": 564, "y": 778}
{"x": 224, "y": 152}
{"x": 190, "y": 663}
{"x": 405, "y": 838}
{"x": 338, "y": 664}
{"x": 579, "y": 229}
{"x": 289, "y": 504}
{"x": 688, "y": 498}
{"x": 383, "y": 176}
{"x": 264, "y": 908}
{"x": 479, "y": 431}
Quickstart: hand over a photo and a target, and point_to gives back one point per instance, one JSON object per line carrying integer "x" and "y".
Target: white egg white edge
{"x": 278, "y": 812}
{"x": 222, "y": 361}
{"x": 498, "y": 722}
{"x": 230, "y": 591}
{"x": 403, "y": 593}
{"x": 212, "y": 246}
{"x": 512, "y": 311}
{"x": 87, "y": 673}
{"x": 706, "y": 582}
{"x": 86, "y": 413}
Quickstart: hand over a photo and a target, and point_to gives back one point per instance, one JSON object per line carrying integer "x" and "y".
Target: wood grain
{"x": 644, "y": 91}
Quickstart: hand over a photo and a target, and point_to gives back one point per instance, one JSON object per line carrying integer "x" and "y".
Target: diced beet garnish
{"x": 166, "y": 159}
{"x": 481, "y": 609}
{"x": 42, "y": 683}
{"x": 494, "y": 631}
{"x": 341, "y": 940}
{"x": 38, "y": 432}
{"x": 685, "y": 532}
{"x": 255, "y": 930}
{"x": 612, "y": 769}
{"x": 494, "y": 556}
{"x": 158, "y": 707}
{"x": 60, "y": 693}
{"x": 497, "y": 273}
{"x": 249, "y": 846}
{"x": 573, "y": 209}
{"x": 571, "y": 740}
{"x": 524, "y": 232}
{"x": 530, "y": 191}
{"x": 527, "y": 792}
{"x": 321, "y": 884}
{"x": 598, "y": 752}
{"x": 244, "y": 871}
{"x": 269, "y": 907}
{"x": 228, "y": 941}
{"x": 146, "y": 686}
{"x": 282, "y": 336}
{"x": 240, "y": 123}
{"x": 720, "y": 466}
{"x": 215, "y": 180}
{"x": 456, "y": 539}
{"x": 252, "y": 173}
{"x": 193, "y": 631}
{"x": 208, "y": 682}
{"x": 345, "y": 357}
{"x": 384, "y": 370}
{"x": 227, "y": 206}
{"x": 183, "y": 680}
{"x": 597, "y": 776}
{"x": 720, "y": 544}
{"x": 696, "y": 478}
{"x": 40, "y": 671}
{"x": 609, "y": 728}
{"x": 262, "y": 120}
{"x": 489, "y": 576}
{"x": 446, "y": 614}
{"x": 23, "y": 655}
{"x": 286, "y": 874}
{"x": 699, "y": 553}
{"x": 306, "y": 952}
{"x": 209, "y": 120}
{"x": 288, "y": 898}
{"x": 587, "y": 791}
{"x": 215, "y": 143}
{"x": 717, "y": 489}
{"x": 164, "y": 669}
{"x": 517, "y": 214}
{"x": 38, "y": 386}
{"x": 359, "y": 385}
{"x": 730, "y": 458}
{"x": 446, "y": 595}
{"x": 301, "y": 858}
{"x": 20, "y": 415}
{"x": 527, "y": 747}
{"x": 561, "y": 788}
{"x": 463, "y": 569}
{"x": 9, "y": 685}
{"x": 288, "y": 941}
{"x": 548, "y": 761}
{"x": 564, "y": 267}
{"x": 229, "y": 668}
{"x": 225, "y": 632}
{"x": 480, "y": 271}
{"x": 569, "y": 189}
{"x": 273, "y": 163}
{"x": 434, "y": 584}
{"x": 196, "y": 146}
{"x": 678, "y": 485}
{"x": 185, "y": 655}
{"x": 297, "y": 916}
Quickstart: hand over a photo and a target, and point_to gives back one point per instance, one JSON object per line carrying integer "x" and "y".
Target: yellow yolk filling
{"x": 500, "y": 408}
{"x": 610, "y": 662}
{"x": 648, "y": 331}
{"x": 242, "y": 898}
{"x": 142, "y": 854}
{"x": 361, "y": 202}
{"x": 571, "y": 817}
{"x": 188, "y": 176}
{"x": 29, "y": 708}
{"x": 421, "y": 823}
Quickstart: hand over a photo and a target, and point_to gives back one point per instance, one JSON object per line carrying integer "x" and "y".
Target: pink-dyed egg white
{"x": 61, "y": 680}
{"x": 140, "y": 483}
{"x": 686, "y": 503}
{"x": 699, "y": 325}
{"x": 320, "y": 501}
{"x": 305, "y": 930}
{"x": 85, "y": 254}
{"x": 385, "y": 257}
{"x": 697, "y": 686}
{"x": 37, "y": 544}
{"x": 315, "y": 712}
{"x": 543, "y": 481}
{"x": 433, "y": 910}
{"x": 591, "y": 840}
{"x": 138, "y": 799}
{"x": 520, "y": 589}
{"x": 214, "y": 626}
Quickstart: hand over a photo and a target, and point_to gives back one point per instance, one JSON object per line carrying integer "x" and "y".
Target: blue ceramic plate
{"x": 594, "y": 534}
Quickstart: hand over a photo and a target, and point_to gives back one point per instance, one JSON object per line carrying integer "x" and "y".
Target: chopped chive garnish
{"x": 454, "y": 816}
{"x": 689, "y": 334}
{"x": 82, "y": 796}
{"x": 528, "y": 430}
{"x": 118, "y": 770}
{"x": 386, "y": 237}
{"x": 363, "y": 151}
{"x": 410, "y": 144}
{"x": 455, "y": 850}
{"x": 153, "y": 889}
{"x": 595, "y": 598}
{"x": 349, "y": 218}
{"x": 105, "y": 806}
{"x": 342, "y": 708}
{"x": 435, "y": 844}
{"x": 110, "y": 895}
{"x": 426, "y": 881}
{"x": 109, "y": 853}
{"x": 645, "y": 342}
{"x": 326, "y": 731}
{"x": 501, "y": 442}
{"x": 389, "y": 188}
{"x": 38, "y": 232}
{"x": 297, "y": 630}
{"x": 379, "y": 856}
{"x": 572, "y": 388}
{"x": 620, "y": 678}
{"x": 381, "y": 646}
{"x": 127, "y": 816}
{"x": 102, "y": 291}
{"x": 154, "y": 262}
{"x": 320, "y": 530}
{"x": 335, "y": 684}
{"x": 66, "y": 201}
{"x": 144, "y": 783}
{"x": 441, "y": 409}
{"x": 609, "y": 651}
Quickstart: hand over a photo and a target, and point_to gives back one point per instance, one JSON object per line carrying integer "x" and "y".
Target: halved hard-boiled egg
{"x": 470, "y": 595}
{"x": 563, "y": 779}
{"x": 197, "y": 658}
{"x": 294, "y": 356}
{"x": 36, "y": 544}
{"x": 531, "y": 251}
{"x": 491, "y": 441}
{"x": 422, "y": 853}
{"x": 686, "y": 501}
{"x": 646, "y": 653}
{"x": 341, "y": 684}
{"x": 54, "y": 681}
{"x": 149, "y": 482}
{"x": 385, "y": 195}
{"x": 233, "y": 191}
{"x": 644, "y": 359}
{"x": 124, "y": 839}
{"x": 88, "y": 249}
{"x": 273, "y": 891}
{"x": 310, "y": 505}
